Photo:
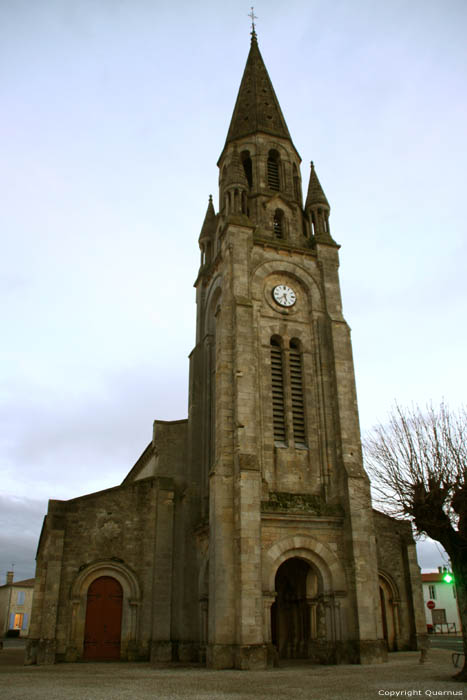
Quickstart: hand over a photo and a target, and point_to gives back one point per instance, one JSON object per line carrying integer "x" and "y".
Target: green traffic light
{"x": 448, "y": 578}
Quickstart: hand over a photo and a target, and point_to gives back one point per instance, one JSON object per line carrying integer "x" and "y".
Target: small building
{"x": 440, "y": 598}
{"x": 15, "y": 606}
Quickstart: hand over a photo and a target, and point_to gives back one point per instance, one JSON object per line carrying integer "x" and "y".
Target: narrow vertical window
{"x": 247, "y": 167}
{"x": 296, "y": 387}
{"x": 273, "y": 170}
{"x": 278, "y": 223}
{"x": 277, "y": 379}
{"x": 313, "y": 223}
{"x": 296, "y": 184}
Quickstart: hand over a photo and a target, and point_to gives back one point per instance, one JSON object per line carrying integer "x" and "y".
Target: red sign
{"x": 431, "y": 604}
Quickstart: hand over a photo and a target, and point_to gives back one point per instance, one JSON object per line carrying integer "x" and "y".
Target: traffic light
{"x": 448, "y": 577}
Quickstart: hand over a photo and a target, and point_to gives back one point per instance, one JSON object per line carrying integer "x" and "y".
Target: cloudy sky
{"x": 114, "y": 113}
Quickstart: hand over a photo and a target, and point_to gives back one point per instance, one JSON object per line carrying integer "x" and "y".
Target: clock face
{"x": 283, "y": 295}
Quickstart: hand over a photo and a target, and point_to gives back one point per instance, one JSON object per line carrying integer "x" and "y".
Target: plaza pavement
{"x": 401, "y": 677}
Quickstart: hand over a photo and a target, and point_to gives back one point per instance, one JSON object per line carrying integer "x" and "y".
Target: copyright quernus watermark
{"x": 420, "y": 693}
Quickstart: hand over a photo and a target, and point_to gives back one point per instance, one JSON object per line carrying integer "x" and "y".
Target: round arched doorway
{"x": 388, "y": 613}
{"x": 291, "y": 621}
{"x": 103, "y": 626}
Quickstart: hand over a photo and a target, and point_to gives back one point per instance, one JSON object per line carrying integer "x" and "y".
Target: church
{"x": 244, "y": 534}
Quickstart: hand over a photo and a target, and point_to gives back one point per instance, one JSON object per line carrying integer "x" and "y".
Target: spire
{"x": 315, "y": 194}
{"x": 208, "y": 228}
{"x": 257, "y": 107}
{"x": 317, "y": 208}
{"x": 235, "y": 172}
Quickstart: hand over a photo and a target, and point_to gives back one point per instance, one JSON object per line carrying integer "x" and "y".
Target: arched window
{"x": 274, "y": 182}
{"x": 313, "y": 223}
{"x": 247, "y": 167}
{"x": 296, "y": 183}
{"x": 278, "y": 223}
{"x": 296, "y": 390}
{"x": 277, "y": 382}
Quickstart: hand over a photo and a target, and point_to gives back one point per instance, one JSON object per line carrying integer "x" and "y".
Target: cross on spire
{"x": 253, "y": 17}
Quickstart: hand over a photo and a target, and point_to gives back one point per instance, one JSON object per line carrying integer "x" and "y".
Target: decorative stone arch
{"x": 392, "y": 585}
{"x": 131, "y": 601}
{"x": 248, "y": 146}
{"x": 283, "y": 151}
{"x": 317, "y": 554}
{"x": 295, "y": 271}
{"x": 325, "y": 604}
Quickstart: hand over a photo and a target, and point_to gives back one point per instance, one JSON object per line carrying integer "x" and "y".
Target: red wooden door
{"x": 103, "y": 620}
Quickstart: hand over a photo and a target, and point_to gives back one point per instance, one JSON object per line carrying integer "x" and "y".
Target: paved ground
{"x": 403, "y": 676}
{"x": 446, "y": 642}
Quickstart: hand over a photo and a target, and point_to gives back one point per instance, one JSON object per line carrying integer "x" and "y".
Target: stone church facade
{"x": 245, "y": 533}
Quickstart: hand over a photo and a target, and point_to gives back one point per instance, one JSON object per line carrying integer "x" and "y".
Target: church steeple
{"x": 257, "y": 108}
{"x": 259, "y": 164}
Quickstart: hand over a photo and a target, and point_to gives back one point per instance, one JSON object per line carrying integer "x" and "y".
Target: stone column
{"x": 161, "y": 647}
{"x": 251, "y": 651}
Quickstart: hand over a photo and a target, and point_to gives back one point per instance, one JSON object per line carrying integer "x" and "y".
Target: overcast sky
{"x": 114, "y": 113}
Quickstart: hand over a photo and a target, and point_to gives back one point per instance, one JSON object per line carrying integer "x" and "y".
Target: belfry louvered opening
{"x": 296, "y": 389}
{"x": 277, "y": 380}
{"x": 274, "y": 182}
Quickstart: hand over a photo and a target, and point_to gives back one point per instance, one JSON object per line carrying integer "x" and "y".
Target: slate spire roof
{"x": 257, "y": 107}
{"x": 208, "y": 228}
{"x": 315, "y": 191}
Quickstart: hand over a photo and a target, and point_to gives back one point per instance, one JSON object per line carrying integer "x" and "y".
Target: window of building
{"x": 438, "y": 616}
{"x": 274, "y": 182}
{"x": 313, "y": 224}
{"x": 296, "y": 184}
{"x": 296, "y": 388}
{"x": 18, "y": 621}
{"x": 20, "y": 598}
{"x": 277, "y": 381}
{"x": 278, "y": 223}
{"x": 432, "y": 592}
{"x": 247, "y": 167}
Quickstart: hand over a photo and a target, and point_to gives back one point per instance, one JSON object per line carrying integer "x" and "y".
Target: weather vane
{"x": 253, "y": 17}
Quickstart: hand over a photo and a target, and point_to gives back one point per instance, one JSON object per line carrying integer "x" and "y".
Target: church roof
{"x": 257, "y": 107}
{"x": 315, "y": 191}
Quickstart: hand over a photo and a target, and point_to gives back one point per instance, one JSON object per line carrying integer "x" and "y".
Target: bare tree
{"x": 418, "y": 465}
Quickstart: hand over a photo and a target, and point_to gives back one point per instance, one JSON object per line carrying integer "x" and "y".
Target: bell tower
{"x": 285, "y": 510}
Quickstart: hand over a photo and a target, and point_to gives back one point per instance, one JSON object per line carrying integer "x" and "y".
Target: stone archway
{"x": 131, "y": 597}
{"x": 304, "y": 587}
{"x": 389, "y": 609}
{"x": 293, "y": 623}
